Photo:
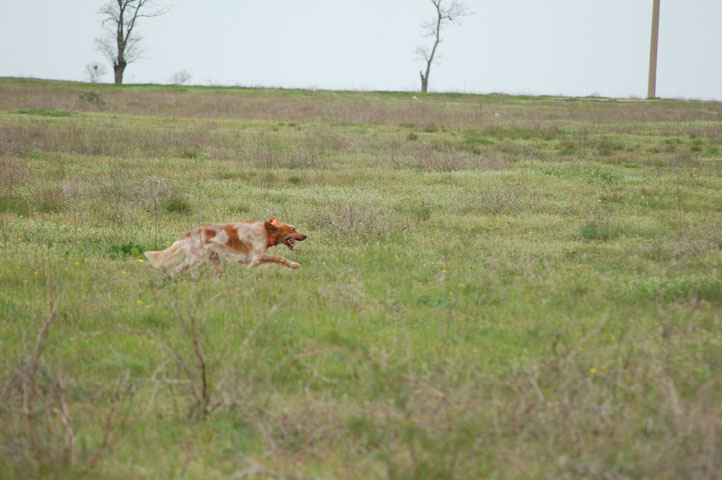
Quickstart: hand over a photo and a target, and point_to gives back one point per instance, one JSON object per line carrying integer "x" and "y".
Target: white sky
{"x": 555, "y": 47}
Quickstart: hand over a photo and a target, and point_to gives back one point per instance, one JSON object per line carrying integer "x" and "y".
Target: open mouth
{"x": 291, "y": 240}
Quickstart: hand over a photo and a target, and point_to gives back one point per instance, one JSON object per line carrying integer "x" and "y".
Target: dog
{"x": 244, "y": 242}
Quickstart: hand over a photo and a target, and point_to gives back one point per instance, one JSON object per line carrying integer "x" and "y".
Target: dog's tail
{"x": 161, "y": 258}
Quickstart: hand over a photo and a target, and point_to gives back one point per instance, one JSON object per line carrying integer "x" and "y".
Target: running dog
{"x": 244, "y": 242}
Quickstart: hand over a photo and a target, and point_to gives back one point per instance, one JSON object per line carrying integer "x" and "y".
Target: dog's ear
{"x": 271, "y": 225}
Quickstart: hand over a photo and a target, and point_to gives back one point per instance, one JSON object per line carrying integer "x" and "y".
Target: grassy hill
{"x": 492, "y": 287}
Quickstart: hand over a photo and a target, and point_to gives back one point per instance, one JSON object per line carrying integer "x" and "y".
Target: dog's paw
{"x": 294, "y": 265}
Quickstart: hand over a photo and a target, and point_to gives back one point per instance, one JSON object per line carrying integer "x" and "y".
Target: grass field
{"x": 493, "y": 287}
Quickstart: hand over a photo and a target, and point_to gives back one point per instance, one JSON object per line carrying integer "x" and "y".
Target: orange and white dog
{"x": 245, "y": 243}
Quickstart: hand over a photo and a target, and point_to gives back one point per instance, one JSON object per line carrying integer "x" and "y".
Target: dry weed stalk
{"x": 207, "y": 396}
{"x": 40, "y": 428}
{"x": 428, "y": 425}
{"x": 194, "y": 367}
{"x": 362, "y": 223}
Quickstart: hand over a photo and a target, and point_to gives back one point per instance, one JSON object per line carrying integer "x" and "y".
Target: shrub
{"x": 689, "y": 287}
{"x": 567, "y": 148}
{"x": 93, "y": 98}
{"x": 14, "y": 205}
{"x": 50, "y": 199}
{"x": 127, "y": 249}
{"x": 591, "y": 175}
{"x": 478, "y": 139}
{"x": 177, "y": 205}
{"x": 362, "y": 223}
{"x": 598, "y": 231}
{"x": 606, "y": 147}
{"x": 422, "y": 211}
{"x": 190, "y": 154}
{"x": 44, "y": 112}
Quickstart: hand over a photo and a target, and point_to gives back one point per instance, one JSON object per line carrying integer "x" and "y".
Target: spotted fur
{"x": 244, "y": 242}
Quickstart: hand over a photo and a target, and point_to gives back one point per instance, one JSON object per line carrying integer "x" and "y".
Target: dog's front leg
{"x": 274, "y": 259}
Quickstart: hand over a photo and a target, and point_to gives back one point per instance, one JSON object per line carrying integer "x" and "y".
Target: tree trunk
{"x": 118, "y": 70}
{"x": 430, "y": 59}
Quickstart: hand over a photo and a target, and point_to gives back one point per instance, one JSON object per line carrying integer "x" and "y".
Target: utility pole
{"x": 652, "y": 86}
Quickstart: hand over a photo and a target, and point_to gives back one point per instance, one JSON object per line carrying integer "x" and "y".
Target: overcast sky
{"x": 551, "y": 47}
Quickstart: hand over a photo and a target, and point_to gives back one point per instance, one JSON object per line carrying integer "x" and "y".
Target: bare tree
{"x": 121, "y": 43}
{"x": 181, "y": 77}
{"x": 95, "y": 71}
{"x": 432, "y": 28}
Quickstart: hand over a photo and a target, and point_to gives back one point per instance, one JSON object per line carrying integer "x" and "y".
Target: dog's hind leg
{"x": 192, "y": 260}
{"x": 217, "y": 263}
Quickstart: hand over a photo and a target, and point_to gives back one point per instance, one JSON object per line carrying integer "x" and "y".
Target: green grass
{"x": 44, "y": 112}
{"x": 530, "y": 295}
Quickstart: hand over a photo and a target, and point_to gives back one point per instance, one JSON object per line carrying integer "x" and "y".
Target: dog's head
{"x": 279, "y": 233}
